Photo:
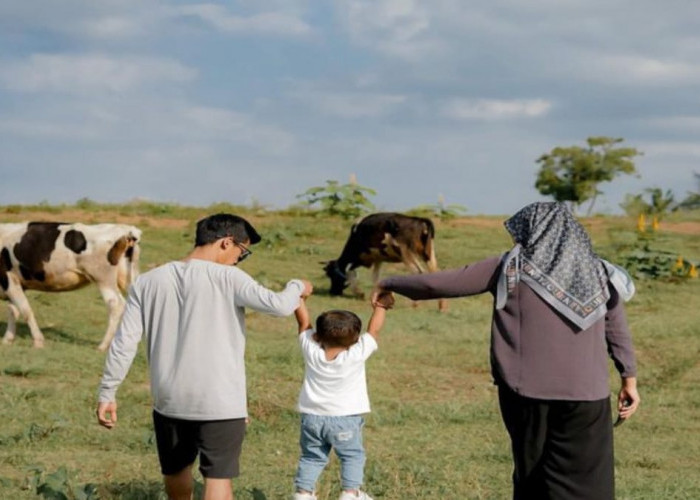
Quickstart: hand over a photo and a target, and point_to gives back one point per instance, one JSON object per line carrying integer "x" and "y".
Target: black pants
{"x": 562, "y": 450}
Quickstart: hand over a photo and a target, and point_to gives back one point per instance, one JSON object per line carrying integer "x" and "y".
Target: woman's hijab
{"x": 553, "y": 255}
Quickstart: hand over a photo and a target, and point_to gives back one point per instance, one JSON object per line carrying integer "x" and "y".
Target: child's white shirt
{"x": 338, "y": 387}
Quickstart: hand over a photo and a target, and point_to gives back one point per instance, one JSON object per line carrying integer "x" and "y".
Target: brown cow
{"x": 379, "y": 238}
{"x": 58, "y": 257}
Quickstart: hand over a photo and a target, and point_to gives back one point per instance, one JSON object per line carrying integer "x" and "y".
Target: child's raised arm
{"x": 302, "y": 315}
{"x": 381, "y": 302}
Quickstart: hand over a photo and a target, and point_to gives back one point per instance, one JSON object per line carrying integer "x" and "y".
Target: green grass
{"x": 435, "y": 430}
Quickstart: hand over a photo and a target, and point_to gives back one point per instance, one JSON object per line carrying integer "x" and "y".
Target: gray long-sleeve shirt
{"x": 193, "y": 314}
{"x": 534, "y": 350}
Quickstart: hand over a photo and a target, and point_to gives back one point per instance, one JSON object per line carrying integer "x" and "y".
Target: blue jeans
{"x": 320, "y": 434}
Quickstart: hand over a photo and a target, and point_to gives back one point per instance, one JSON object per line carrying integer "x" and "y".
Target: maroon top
{"x": 534, "y": 350}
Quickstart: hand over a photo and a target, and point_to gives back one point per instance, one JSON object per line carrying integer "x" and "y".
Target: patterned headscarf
{"x": 553, "y": 255}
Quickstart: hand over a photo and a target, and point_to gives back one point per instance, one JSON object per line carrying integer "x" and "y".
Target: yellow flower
{"x": 641, "y": 223}
{"x": 693, "y": 273}
{"x": 679, "y": 263}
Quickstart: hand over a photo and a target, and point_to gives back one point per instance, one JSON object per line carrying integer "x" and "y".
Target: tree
{"x": 572, "y": 174}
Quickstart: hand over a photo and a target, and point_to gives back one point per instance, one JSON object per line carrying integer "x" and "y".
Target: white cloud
{"x": 351, "y": 104}
{"x": 640, "y": 70}
{"x": 495, "y": 109}
{"x": 42, "y": 129}
{"x": 689, "y": 149}
{"x": 399, "y": 28}
{"x": 139, "y": 120}
{"x": 114, "y": 27}
{"x": 127, "y": 20}
{"x": 85, "y": 19}
{"x": 677, "y": 124}
{"x": 80, "y": 73}
{"x": 269, "y": 23}
{"x": 221, "y": 124}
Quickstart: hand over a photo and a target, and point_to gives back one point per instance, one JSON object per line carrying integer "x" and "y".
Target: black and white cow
{"x": 58, "y": 257}
{"x": 384, "y": 237}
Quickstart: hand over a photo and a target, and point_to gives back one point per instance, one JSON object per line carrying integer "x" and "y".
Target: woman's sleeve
{"x": 474, "y": 279}
{"x": 618, "y": 337}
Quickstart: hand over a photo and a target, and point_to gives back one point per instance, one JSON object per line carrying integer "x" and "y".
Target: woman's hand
{"x": 628, "y": 399}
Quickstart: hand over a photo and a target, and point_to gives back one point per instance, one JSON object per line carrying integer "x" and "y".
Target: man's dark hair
{"x": 338, "y": 328}
{"x": 220, "y": 226}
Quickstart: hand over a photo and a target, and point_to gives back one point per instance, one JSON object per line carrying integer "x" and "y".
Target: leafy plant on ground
{"x": 643, "y": 261}
{"x": 34, "y": 433}
{"x": 274, "y": 239}
{"x": 59, "y": 485}
{"x": 346, "y": 200}
{"x": 440, "y": 210}
{"x": 646, "y": 262}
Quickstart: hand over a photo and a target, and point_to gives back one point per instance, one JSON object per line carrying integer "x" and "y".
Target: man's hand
{"x": 628, "y": 399}
{"x": 308, "y": 289}
{"x": 302, "y": 315}
{"x": 107, "y": 414}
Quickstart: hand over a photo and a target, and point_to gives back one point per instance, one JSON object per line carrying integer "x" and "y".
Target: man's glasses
{"x": 245, "y": 252}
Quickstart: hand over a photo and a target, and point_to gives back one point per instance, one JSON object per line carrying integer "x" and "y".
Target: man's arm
{"x": 302, "y": 315}
{"x": 381, "y": 301}
{"x": 251, "y": 294}
{"x": 121, "y": 354}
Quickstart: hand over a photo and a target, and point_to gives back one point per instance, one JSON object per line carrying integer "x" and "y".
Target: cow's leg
{"x": 432, "y": 267}
{"x": 20, "y": 306}
{"x": 416, "y": 264}
{"x": 413, "y": 263}
{"x": 12, "y": 317}
{"x": 354, "y": 282}
{"x": 115, "y": 304}
{"x": 375, "y": 272}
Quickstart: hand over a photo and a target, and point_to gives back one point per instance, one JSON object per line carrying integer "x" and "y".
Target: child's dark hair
{"x": 219, "y": 226}
{"x": 338, "y": 328}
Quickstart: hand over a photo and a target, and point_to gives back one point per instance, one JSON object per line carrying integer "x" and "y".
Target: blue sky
{"x": 256, "y": 101}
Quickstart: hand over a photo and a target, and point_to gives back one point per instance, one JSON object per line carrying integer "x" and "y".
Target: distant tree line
{"x": 571, "y": 174}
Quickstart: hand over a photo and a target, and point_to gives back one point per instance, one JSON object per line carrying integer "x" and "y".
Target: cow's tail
{"x": 428, "y": 237}
{"x": 129, "y": 265}
{"x": 133, "y": 253}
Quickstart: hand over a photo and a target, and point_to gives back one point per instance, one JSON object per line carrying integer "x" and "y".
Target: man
{"x": 193, "y": 314}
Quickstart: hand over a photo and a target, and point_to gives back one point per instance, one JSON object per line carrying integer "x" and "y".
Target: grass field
{"x": 434, "y": 432}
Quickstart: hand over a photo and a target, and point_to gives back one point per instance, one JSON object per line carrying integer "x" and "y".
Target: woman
{"x": 558, "y": 313}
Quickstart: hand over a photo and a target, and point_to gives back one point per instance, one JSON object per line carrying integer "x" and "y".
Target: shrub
{"x": 440, "y": 210}
{"x": 347, "y": 200}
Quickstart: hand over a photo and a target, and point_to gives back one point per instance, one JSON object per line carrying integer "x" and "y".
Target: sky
{"x": 254, "y": 102}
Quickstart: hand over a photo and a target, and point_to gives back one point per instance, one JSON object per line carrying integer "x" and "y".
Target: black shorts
{"x": 218, "y": 443}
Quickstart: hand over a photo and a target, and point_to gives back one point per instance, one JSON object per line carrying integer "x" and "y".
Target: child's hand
{"x": 383, "y": 299}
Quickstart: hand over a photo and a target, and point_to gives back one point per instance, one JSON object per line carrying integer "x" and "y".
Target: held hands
{"x": 308, "y": 289}
{"x": 382, "y": 298}
{"x": 107, "y": 414}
